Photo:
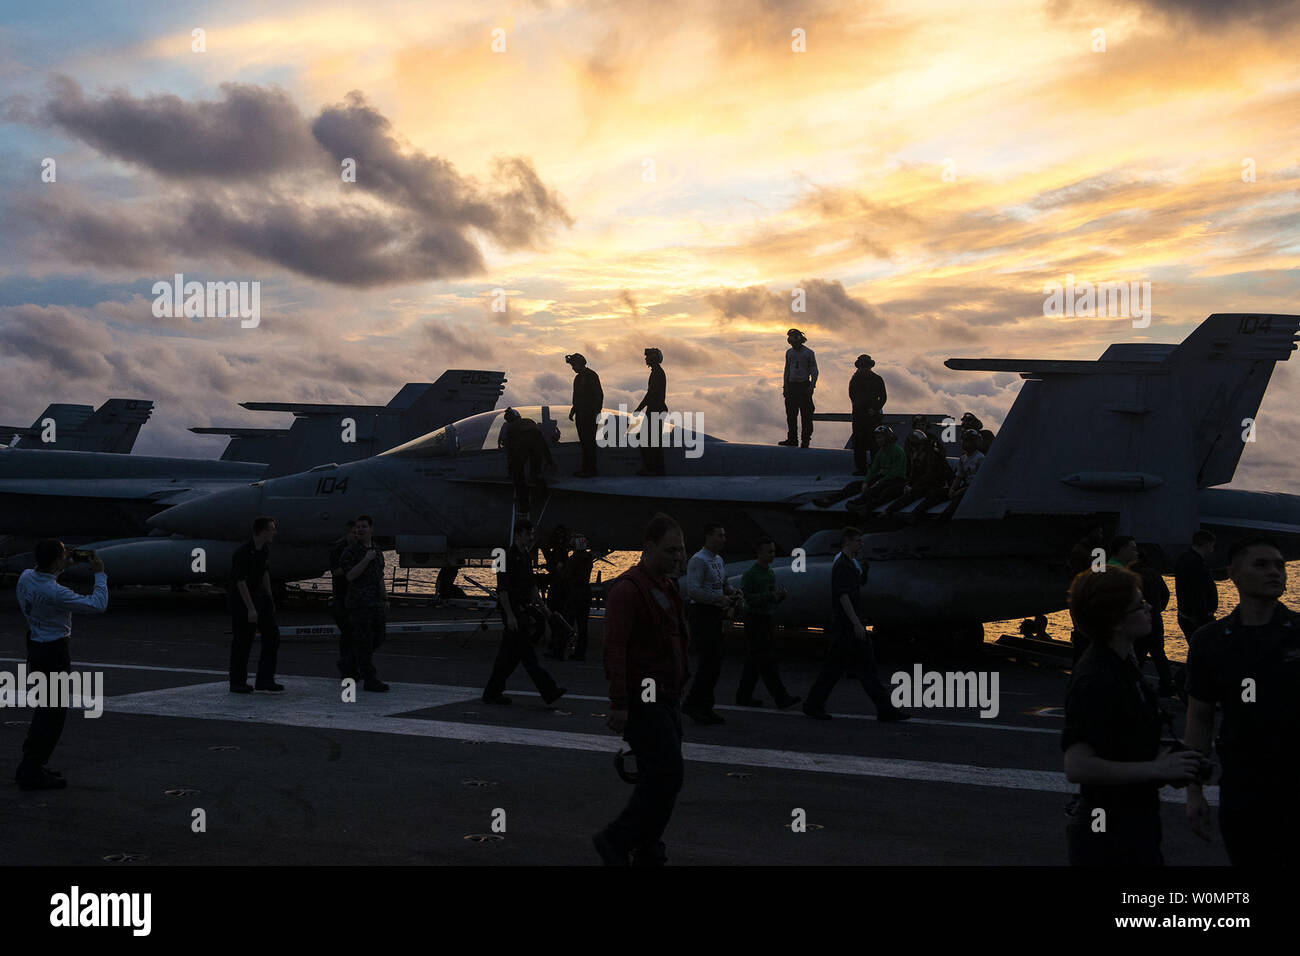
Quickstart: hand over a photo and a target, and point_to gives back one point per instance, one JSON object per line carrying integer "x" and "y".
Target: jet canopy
{"x": 486, "y": 431}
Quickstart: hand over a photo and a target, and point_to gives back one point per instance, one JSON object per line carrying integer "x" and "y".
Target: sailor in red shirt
{"x": 645, "y": 662}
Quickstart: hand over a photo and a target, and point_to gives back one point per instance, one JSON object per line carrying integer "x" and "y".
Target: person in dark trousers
{"x": 654, "y": 403}
{"x": 1156, "y": 593}
{"x": 798, "y": 382}
{"x": 1248, "y": 663}
{"x": 850, "y": 644}
{"x": 527, "y": 456}
{"x": 1111, "y": 738}
{"x": 557, "y": 559}
{"x": 1194, "y": 587}
{"x": 758, "y": 587}
{"x": 48, "y": 607}
{"x": 363, "y": 566}
{"x": 867, "y": 398}
{"x": 588, "y": 400}
{"x": 577, "y": 594}
{"x": 524, "y": 618}
{"x": 886, "y": 476}
{"x": 646, "y": 666}
{"x": 252, "y": 610}
{"x": 711, "y": 598}
{"x": 338, "y": 600}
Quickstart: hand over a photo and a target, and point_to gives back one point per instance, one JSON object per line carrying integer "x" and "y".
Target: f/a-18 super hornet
{"x": 1134, "y": 442}
{"x": 103, "y": 501}
{"x": 113, "y": 427}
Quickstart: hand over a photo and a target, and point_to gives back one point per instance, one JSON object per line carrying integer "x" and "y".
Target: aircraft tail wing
{"x": 1135, "y": 433}
{"x": 458, "y": 393}
{"x": 247, "y": 444}
{"x": 113, "y": 427}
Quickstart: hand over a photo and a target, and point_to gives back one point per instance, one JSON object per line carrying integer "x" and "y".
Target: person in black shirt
{"x": 1194, "y": 587}
{"x": 1156, "y": 593}
{"x": 252, "y": 610}
{"x": 867, "y": 397}
{"x": 850, "y": 645}
{"x": 577, "y": 594}
{"x": 588, "y": 400}
{"x": 338, "y": 602}
{"x": 654, "y": 403}
{"x": 1112, "y": 730}
{"x": 363, "y": 566}
{"x": 1249, "y": 663}
{"x": 526, "y": 448}
{"x": 524, "y": 617}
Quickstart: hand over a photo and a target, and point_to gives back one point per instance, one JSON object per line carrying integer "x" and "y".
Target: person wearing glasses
{"x": 1112, "y": 730}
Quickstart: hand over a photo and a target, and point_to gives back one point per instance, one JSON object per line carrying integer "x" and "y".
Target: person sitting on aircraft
{"x": 867, "y": 398}
{"x": 929, "y": 475}
{"x": 967, "y": 467}
{"x": 887, "y": 474}
{"x": 655, "y": 402}
{"x": 969, "y": 421}
{"x": 524, "y": 446}
{"x": 1112, "y": 730}
{"x": 588, "y": 400}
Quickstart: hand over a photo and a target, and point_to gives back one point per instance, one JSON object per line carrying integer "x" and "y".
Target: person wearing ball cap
{"x": 867, "y": 397}
{"x": 798, "y": 384}
{"x": 588, "y": 399}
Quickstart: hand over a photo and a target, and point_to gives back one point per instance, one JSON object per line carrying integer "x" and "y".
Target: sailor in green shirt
{"x": 758, "y": 585}
{"x": 887, "y": 474}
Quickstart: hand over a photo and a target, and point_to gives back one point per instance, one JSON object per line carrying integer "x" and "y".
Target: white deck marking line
{"x": 371, "y": 714}
{"x": 793, "y": 712}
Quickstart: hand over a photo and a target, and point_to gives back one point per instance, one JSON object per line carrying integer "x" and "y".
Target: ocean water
{"x": 476, "y": 580}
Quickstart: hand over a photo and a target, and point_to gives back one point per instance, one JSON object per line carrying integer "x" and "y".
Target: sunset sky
{"x": 526, "y": 170}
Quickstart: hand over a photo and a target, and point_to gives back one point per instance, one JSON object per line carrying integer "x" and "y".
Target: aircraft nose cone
{"x": 224, "y": 514}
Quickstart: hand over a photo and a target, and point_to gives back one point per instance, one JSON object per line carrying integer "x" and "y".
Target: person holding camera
{"x": 362, "y": 565}
{"x": 526, "y": 621}
{"x": 1249, "y": 663}
{"x": 48, "y": 606}
{"x": 252, "y": 610}
{"x": 712, "y": 599}
{"x": 1112, "y": 730}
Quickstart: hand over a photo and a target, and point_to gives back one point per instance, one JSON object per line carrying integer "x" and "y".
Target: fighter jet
{"x": 1133, "y": 442}
{"x": 103, "y": 501}
{"x": 113, "y": 427}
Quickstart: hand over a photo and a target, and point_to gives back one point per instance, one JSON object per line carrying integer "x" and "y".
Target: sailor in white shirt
{"x": 48, "y": 607}
{"x": 710, "y": 598}
{"x": 797, "y": 385}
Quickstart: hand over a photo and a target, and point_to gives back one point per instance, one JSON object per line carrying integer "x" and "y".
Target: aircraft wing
{"x": 793, "y": 490}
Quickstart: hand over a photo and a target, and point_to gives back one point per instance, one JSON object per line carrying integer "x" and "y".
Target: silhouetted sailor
{"x": 252, "y": 610}
{"x": 48, "y": 607}
{"x": 711, "y": 597}
{"x": 867, "y": 397}
{"x": 887, "y": 474}
{"x": 929, "y": 474}
{"x": 798, "y": 383}
{"x": 652, "y": 458}
{"x": 758, "y": 586}
{"x": 1156, "y": 593}
{"x": 646, "y": 665}
{"x": 850, "y": 645}
{"x": 577, "y": 593}
{"x": 1194, "y": 586}
{"x": 588, "y": 400}
{"x": 526, "y": 449}
{"x": 968, "y": 467}
{"x": 524, "y": 617}
{"x": 969, "y": 420}
{"x": 1249, "y": 663}
{"x": 367, "y": 601}
{"x": 338, "y": 600}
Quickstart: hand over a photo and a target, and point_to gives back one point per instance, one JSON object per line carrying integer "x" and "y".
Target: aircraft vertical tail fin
{"x": 1135, "y": 433}
{"x": 113, "y": 427}
{"x": 458, "y": 393}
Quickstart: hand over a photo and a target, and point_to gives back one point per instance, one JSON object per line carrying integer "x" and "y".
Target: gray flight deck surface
{"x": 405, "y": 777}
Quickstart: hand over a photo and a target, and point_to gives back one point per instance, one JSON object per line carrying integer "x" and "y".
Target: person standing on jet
{"x": 577, "y": 594}
{"x": 252, "y": 609}
{"x": 798, "y": 383}
{"x": 711, "y": 598}
{"x": 646, "y": 666}
{"x": 1249, "y": 663}
{"x": 523, "y": 615}
{"x": 1194, "y": 587}
{"x": 867, "y": 398}
{"x": 363, "y": 566}
{"x": 588, "y": 400}
{"x": 655, "y": 403}
{"x": 525, "y": 448}
{"x": 338, "y": 601}
{"x": 48, "y": 606}
{"x": 850, "y": 644}
{"x": 758, "y": 585}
